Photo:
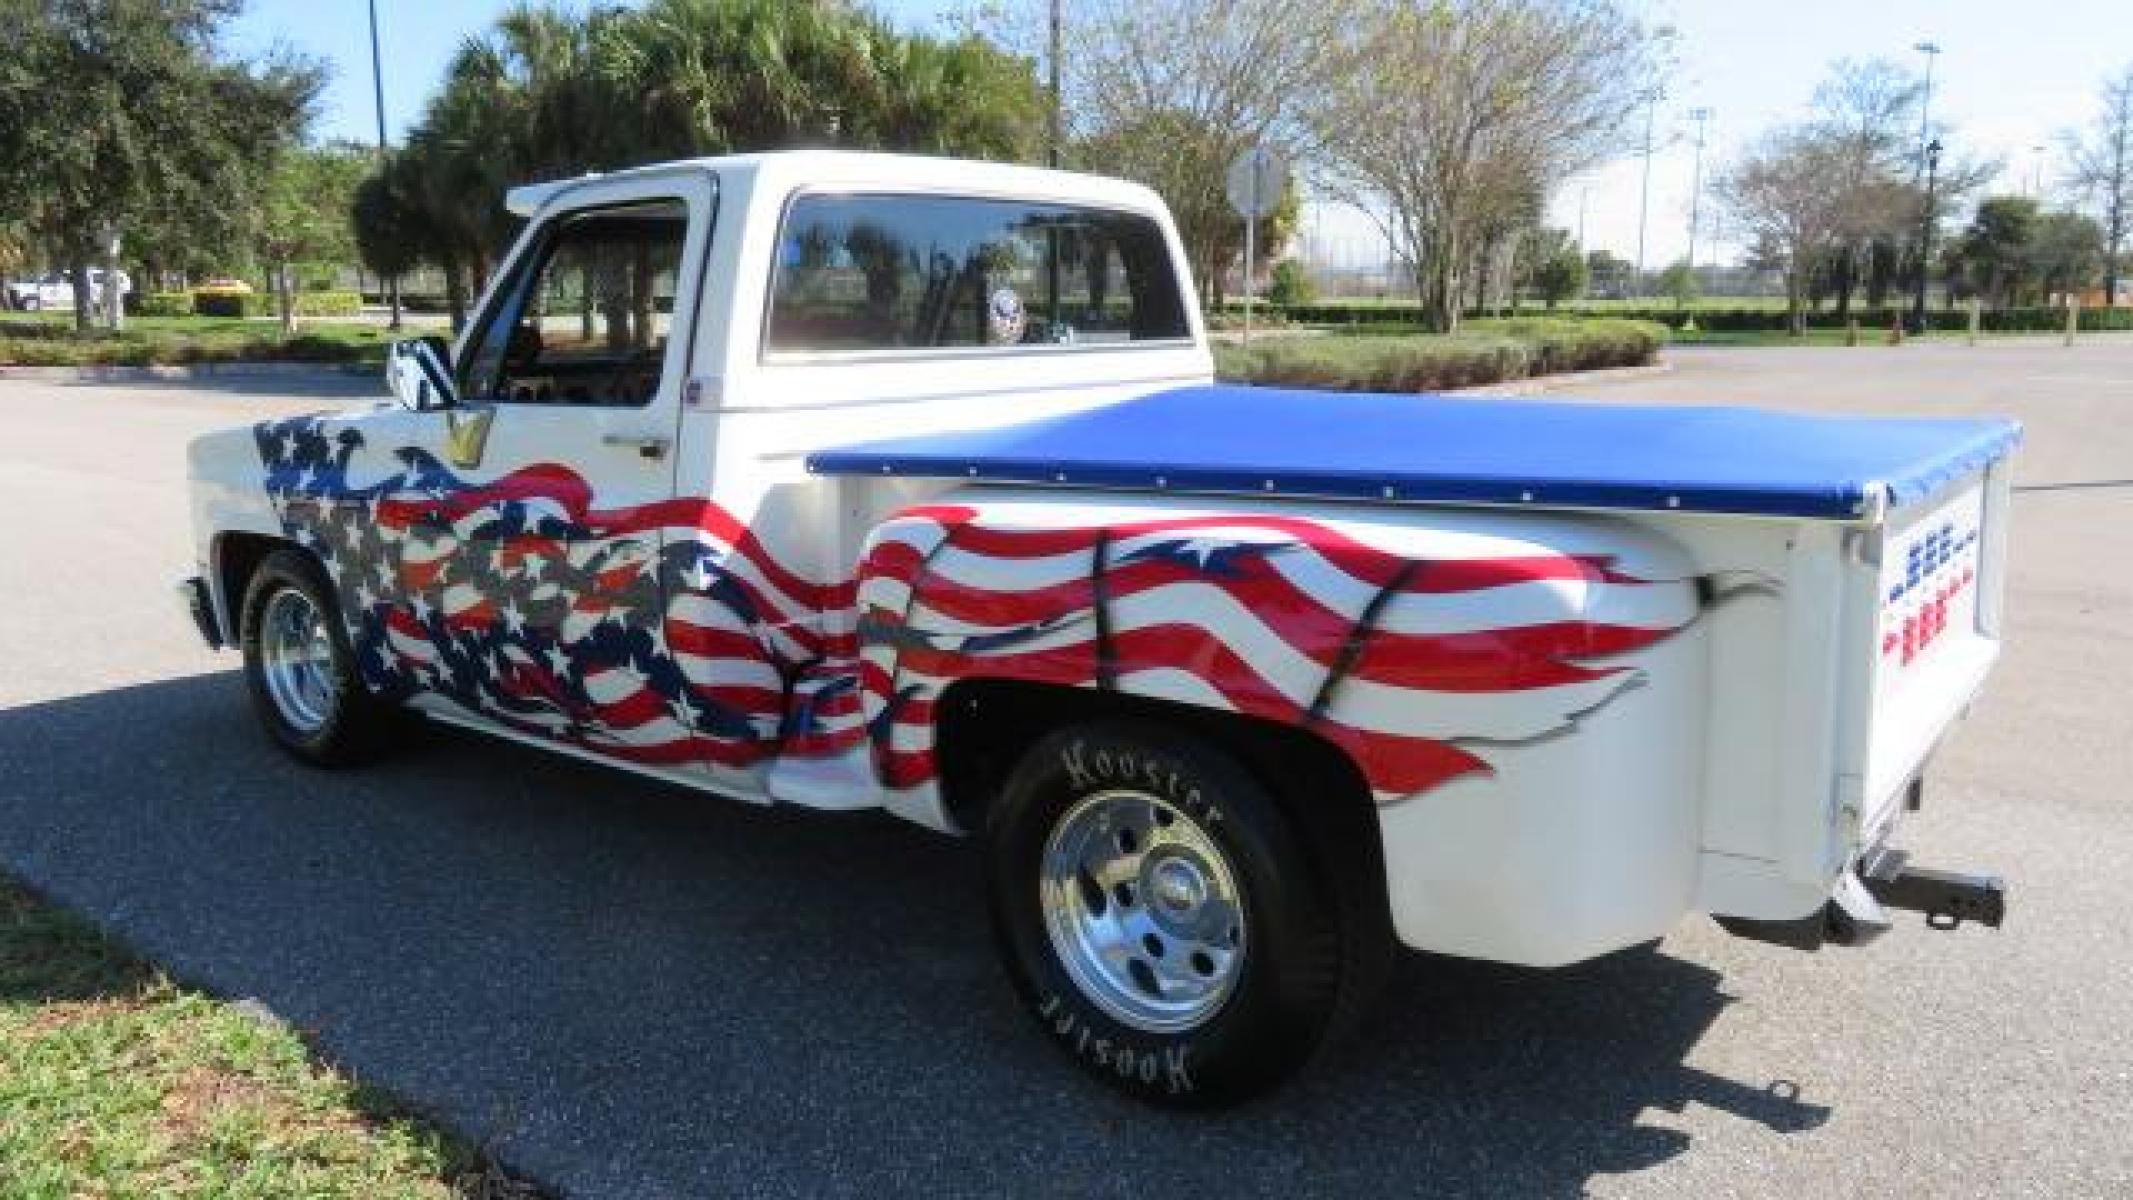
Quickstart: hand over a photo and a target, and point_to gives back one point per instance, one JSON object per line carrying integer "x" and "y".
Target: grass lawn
{"x": 116, "y": 1082}
{"x": 49, "y": 339}
{"x": 1777, "y": 337}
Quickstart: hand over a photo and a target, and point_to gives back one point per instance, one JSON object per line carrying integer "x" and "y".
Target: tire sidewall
{"x": 1279, "y": 1007}
{"x": 332, "y": 742}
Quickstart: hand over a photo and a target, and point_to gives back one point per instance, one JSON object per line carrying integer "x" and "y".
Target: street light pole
{"x": 1644, "y": 198}
{"x": 1925, "y": 105}
{"x": 1928, "y": 158}
{"x": 1699, "y": 115}
{"x": 1057, "y": 38}
{"x": 1925, "y": 238}
{"x": 377, "y": 83}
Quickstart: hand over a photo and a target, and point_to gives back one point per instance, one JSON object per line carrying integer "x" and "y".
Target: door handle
{"x": 647, "y": 445}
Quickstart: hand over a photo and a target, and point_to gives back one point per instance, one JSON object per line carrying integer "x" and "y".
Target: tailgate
{"x": 1936, "y": 630}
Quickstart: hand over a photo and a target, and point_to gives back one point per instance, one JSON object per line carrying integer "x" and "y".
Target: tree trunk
{"x": 1437, "y": 284}
{"x": 78, "y": 271}
{"x": 455, "y": 292}
{"x": 1795, "y": 309}
{"x": 585, "y": 302}
{"x": 1845, "y": 272}
{"x": 2114, "y": 236}
{"x": 641, "y": 297}
{"x": 285, "y": 299}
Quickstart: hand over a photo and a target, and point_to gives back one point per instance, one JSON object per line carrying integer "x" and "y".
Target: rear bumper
{"x": 1883, "y": 879}
{"x": 193, "y": 598}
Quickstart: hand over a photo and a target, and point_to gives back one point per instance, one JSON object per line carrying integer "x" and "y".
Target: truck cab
{"x": 865, "y": 481}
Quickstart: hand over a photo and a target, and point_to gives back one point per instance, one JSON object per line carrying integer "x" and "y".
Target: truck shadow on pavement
{"x": 624, "y": 989}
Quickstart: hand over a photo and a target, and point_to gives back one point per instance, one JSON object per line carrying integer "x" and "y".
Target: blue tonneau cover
{"x": 1351, "y": 445}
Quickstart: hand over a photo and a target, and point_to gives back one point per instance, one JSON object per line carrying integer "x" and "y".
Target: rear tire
{"x": 1166, "y": 920}
{"x": 301, "y": 669}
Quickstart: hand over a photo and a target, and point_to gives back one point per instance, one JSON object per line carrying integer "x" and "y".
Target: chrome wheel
{"x": 1143, "y": 910}
{"x": 296, "y": 660}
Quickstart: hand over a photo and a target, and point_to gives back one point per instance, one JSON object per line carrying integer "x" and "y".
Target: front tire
{"x": 1165, "y": 919}
{"x": 301, "y": 670}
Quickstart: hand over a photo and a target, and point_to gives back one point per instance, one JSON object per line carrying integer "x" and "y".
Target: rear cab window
{"x": 879, "y": 273}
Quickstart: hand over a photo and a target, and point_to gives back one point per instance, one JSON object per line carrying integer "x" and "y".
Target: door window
{"x": 586, "y": 318}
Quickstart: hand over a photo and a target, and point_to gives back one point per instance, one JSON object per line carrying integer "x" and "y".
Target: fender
{"x": 228, "y": 497}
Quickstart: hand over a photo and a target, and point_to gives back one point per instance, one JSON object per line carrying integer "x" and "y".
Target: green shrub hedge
{"x": 35, "y": 343}
{"x": 1738, "y": 320}
{"x": 327, "y": 304}
{"x": 1486, "y": 352}
{"x": 262, "y": 304}
{"x": 160, "y": 304}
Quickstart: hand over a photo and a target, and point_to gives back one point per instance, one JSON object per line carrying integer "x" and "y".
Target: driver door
{"x": 552, "y": 476}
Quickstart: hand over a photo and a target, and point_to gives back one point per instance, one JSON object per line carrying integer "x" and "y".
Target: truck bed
{"x": 1362, "y": 446}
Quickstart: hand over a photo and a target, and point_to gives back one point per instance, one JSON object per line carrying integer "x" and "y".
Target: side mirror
{"x": 419, "y": 374}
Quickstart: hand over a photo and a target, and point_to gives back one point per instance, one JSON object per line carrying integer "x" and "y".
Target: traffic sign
{"x": 1257, "y": 181}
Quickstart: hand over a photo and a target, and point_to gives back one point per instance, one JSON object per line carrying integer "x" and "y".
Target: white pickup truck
{"x": 859, "y": 481}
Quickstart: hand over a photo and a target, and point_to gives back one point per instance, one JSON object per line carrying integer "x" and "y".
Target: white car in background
{"x": 55, "y": 289}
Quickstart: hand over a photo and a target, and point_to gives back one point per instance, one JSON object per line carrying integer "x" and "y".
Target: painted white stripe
{"x": 700, "y": 610}
{"x": 708, "y": 672}
{"x": 1361, "y": 702}
{"x": 609, "y": 685}
{"x": 462, "y": 597}
{"x": 418, "y": 649}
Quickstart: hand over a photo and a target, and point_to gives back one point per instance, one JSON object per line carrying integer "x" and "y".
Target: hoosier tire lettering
{"x": 1168, "y": 1063}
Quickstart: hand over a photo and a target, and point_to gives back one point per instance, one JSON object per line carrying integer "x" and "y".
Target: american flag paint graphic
{"x": 662, "y": 634}
{"x": 669, "y": 634}
{"x": 1410, "y": 664}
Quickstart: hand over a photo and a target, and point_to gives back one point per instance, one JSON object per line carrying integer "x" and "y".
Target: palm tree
{"x": 549, "y": 93}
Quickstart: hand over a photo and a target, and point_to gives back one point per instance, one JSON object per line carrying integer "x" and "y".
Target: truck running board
{"x": 1857, "y": 911}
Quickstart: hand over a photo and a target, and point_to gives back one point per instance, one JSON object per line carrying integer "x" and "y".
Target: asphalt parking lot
{"x": 628, "y": 991}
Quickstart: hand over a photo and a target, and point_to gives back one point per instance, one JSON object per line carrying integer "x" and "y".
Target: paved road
{"x": 635, "y": 992}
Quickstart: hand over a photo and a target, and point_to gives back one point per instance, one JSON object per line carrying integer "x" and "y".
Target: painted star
{"x": 558, "y": 661}
{"x": 1203, "y": 549}
{"x": 514, "y": 620}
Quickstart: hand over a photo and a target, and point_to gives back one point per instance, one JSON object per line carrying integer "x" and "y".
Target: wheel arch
{"x": 237, "y": 555}
{"x": 983, "y": 724}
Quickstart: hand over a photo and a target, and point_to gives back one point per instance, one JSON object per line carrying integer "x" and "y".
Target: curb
{"x": 1570, "y": 379}
{"x": 180, "y": 373}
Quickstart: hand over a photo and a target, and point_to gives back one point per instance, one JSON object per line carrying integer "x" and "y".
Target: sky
{"x": 2008, "y": 78}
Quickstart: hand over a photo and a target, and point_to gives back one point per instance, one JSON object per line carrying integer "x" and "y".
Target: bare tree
{"x": 2102, "y": 167}
{"x": 1449, "y": 111}
{"x": 1781, "y": 196}
{"x": 1867, "y": 112}
{"x": 1169, "y": 92}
